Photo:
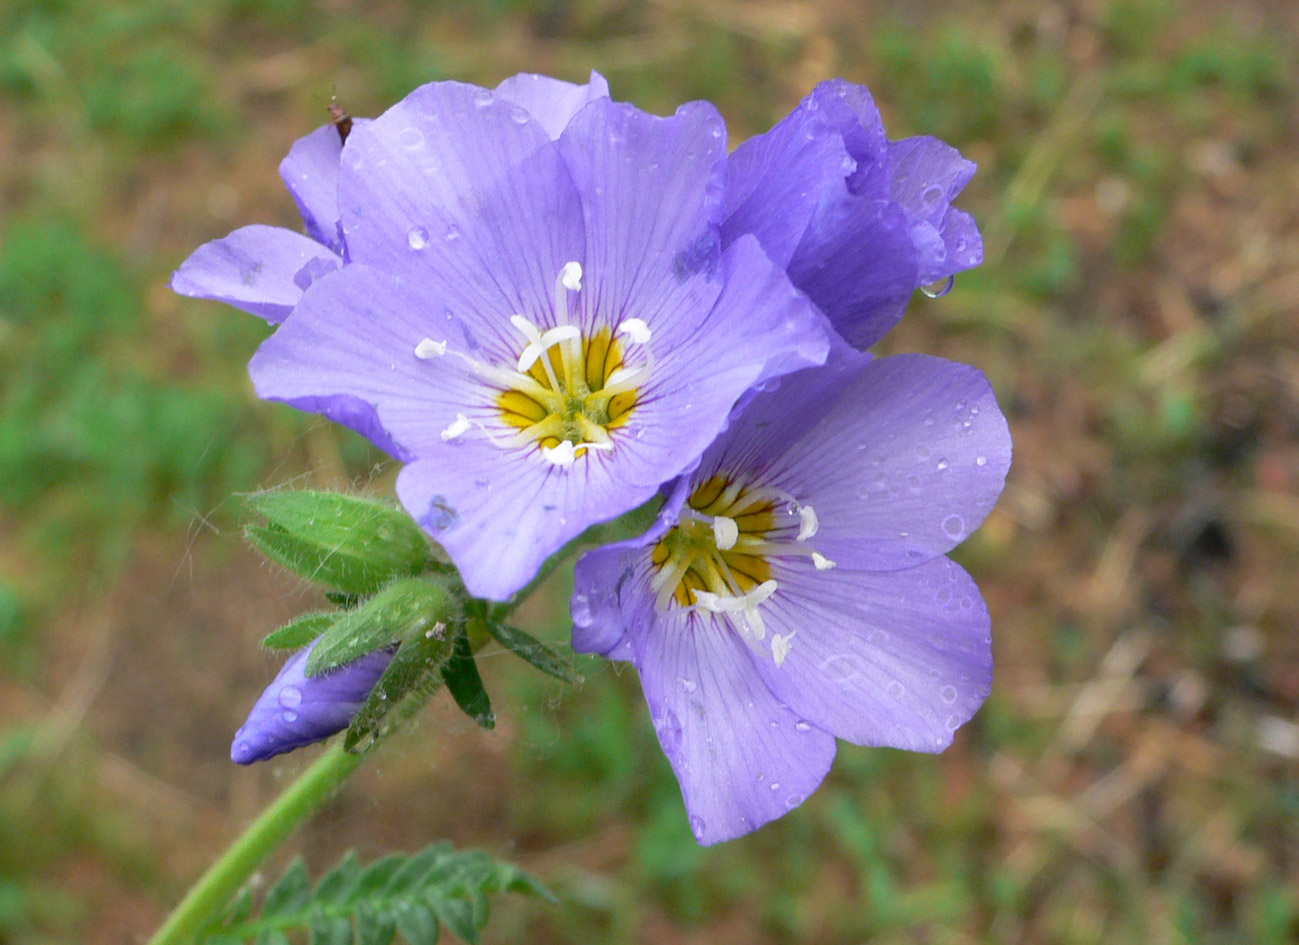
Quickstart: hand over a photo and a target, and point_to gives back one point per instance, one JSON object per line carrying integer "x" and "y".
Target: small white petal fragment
{"x": 457, "y": 428}
{"x": 562, "y": 455}
{"x": 571, "y": 276}
{"x": 428, "y": 348}
{"x": 807, "y": 523}
{"x": 780, "y": 646}
{"x": 822, "y": 562}
{"x": 725, "y": 532}
{"x": 636, "y": 330}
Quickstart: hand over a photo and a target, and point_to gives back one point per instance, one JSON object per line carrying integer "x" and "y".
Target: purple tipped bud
{"x": 296, "y": 709}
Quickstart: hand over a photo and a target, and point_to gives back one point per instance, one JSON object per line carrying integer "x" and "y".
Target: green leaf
{"x": 291, "y": 892}
{"x": 418, "y": 923}
{"x": 540, "y": 655}
{"x": 347, "y": 542}
{"x": 329, "y": 929}
{"x": 416, "y": 895}
{"x": 405, "y": 607}
{"x": 465, "y": 685}
{"x": 458, "y": 916}
{"x": 342, "y": 882}
{"x": 374, "y": 928}
{"x": 415, "y": 672}
{"x": 296, "y": 634}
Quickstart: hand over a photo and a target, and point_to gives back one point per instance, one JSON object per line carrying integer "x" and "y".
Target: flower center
{"x": 568, "y": 390}
{"x": 718, "y": 557}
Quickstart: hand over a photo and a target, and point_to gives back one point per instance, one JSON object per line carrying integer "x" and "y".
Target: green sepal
{"x": 541, "y": 655}
{"x": 414, "y": 673}
{"x": 406, "y": 606}
{"x": 297, "y": 633}
{"x": 353, "y": 544}
{"x": 465, "y": 685}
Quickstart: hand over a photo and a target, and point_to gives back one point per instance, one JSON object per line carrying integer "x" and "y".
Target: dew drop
{"x": 895, "y": 689}
{"x": 792, "y": 801}
{"x": 942, "y": 464}
{"x": 452, "y": 233}
{"x": 947, "y": 694}
{"x": 936, "y": 290}
{"x": 520, "y": 116}
{"x": 289, "y": 716}
{"x": 933, "y": 193}
{"x": 417, "y": 237}
{"x": 697, "y": 825}
{"x": 877, "y": 638}
{"x": 775, "y": 785}
{"x": 953, "y": 722}
{"x": 687, "y": 685}
{"x": 412, "y": 139}
{"x": 981, "y": 461}
{"x": 290, "y": 697}
{"x": 954, "y": 526}
{"x": 482, "y": 98}
{"x": 581, "y": 610}
{"x": 802, "y": 726}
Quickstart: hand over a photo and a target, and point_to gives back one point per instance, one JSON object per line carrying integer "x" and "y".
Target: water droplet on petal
{"x": 981, "y": 461}
{"x": 520, "y": 116}
{"x": 483, "y": 98}
{"x": 417, "y": 237}
{"x": 942, "y": 464}
{"x": 687, "y": 685}
{"x": 289, "y": 716}
{"x": 802, "y": 726}
{"x": 697, "y": 825}
{"x": 936, "y": 290}
{"x": 792, "y": 801}
{"x": 895, "y": 689}
{"x": 775, "y": 785}
{"x": 933, "y": 193}
{"x": 290, "y": 697}
{"x": 954, "y": 526}
{"x": 452, "y": 233}
{"x": 947, "y": 694}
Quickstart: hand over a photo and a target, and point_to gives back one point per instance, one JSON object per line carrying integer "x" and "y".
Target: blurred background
{"x": 1134, "y": 776}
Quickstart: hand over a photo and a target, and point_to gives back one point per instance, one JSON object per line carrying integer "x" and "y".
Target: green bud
{"x": 415, "y": 673}
{"x": 347, "y": 542}
{"x": 405, "y": 608}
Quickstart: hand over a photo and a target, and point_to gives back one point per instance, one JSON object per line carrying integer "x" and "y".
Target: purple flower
{"x": 859, "y": 221}
{"x": 794, "y": 589}
{"x": 544, "y": 329}
{"x": 264, "y": 270}
{"x": 296, "y": 709}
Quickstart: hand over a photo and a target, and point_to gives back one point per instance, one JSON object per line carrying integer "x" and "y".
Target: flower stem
{"x": 224, "y": 877}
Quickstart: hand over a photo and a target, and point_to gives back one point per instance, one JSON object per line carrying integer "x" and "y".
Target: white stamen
{"x": 636, "y": 330}
{"x": 822, "y": 562}
{"x": 571, "y": 276}
{"x": 537, "y": 348}
{"x": 562, "y": 455}
{"x": 457, "y": 428}
{"x": 807, "y": 523}
{"x": 725, "y": 532}
{"x": 780, "y": 646}
{"x": 428, "y": 348}
{"x": 732, "y": 604}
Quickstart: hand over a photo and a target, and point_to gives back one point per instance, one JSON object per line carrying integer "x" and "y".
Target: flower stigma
{"x": 718, "y": 557}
